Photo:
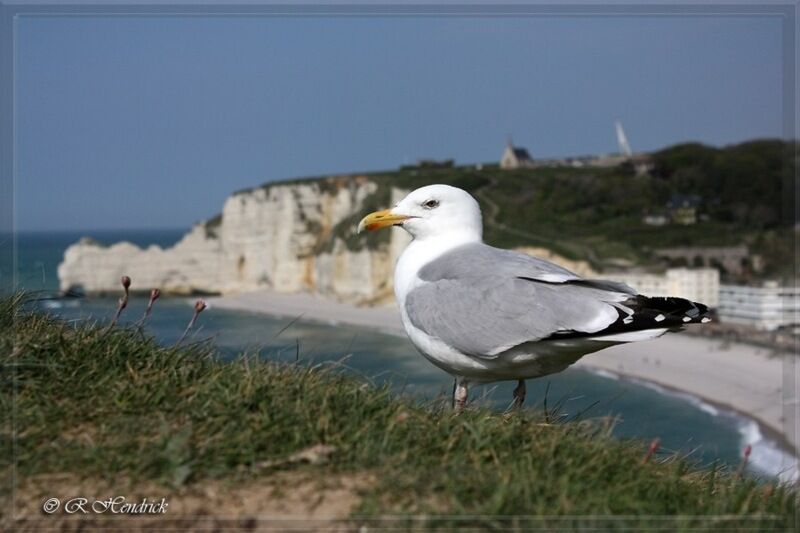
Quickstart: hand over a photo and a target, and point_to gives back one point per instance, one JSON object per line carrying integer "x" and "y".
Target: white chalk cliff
{"x": 288, "y": 237}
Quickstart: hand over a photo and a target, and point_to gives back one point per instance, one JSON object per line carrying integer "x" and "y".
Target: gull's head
{"x": 431, "y": 211}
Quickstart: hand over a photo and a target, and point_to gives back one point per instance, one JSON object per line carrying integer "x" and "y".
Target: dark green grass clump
{"x": 107, "y": 404}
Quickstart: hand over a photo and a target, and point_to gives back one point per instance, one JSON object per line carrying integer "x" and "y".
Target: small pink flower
{"x": 747, "y": 450}
{"x": 199, "y": 305}
{"x": 651, "y": 450}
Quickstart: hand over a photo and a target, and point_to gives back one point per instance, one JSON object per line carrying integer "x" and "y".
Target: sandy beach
{"x": 739, "y": 377}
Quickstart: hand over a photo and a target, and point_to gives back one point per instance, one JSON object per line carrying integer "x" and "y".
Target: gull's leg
{"x": 459, "y": 395}
{"x": 519, "y": 394}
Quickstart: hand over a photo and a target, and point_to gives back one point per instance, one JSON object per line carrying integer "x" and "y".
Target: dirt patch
{"x": 289, "y": 500}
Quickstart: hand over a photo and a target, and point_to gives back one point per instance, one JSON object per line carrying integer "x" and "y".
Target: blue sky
{"x": 148, "y": 122}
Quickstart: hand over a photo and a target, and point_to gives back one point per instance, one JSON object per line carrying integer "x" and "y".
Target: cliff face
{"x": 287, "y": 237}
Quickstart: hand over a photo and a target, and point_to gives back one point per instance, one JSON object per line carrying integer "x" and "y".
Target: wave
{"x": 604, "y": 373}
{"x": 766, "y": 457}
{"x": 59, "y": 304}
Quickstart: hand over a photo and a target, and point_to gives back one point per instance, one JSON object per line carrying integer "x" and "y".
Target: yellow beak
{"x": 380, "y": 219}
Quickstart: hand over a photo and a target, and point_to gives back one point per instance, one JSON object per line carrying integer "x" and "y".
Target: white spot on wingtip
{"x": 687, "y": 319}
{"x": 627, "y": 320}
{"x": 705, "y": 319}
{"x": 659, "y": 318}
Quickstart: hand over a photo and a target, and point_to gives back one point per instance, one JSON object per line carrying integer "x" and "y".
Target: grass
{"x": 106, "y": 404}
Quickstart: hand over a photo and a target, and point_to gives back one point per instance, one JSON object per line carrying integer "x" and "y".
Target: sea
{"x": 683, "y": 424}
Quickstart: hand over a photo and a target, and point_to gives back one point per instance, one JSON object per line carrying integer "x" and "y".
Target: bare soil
{"x": 282, "y": 501}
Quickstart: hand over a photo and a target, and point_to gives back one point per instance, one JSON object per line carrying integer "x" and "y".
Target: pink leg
{"x": 519, "y": 394}
{"x": 460, "y": 395}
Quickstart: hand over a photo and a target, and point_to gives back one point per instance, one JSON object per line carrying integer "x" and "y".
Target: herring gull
{"x": 484, "y": 314}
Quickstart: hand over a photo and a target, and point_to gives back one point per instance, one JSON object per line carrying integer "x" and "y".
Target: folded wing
{"x": 484, "y": 301}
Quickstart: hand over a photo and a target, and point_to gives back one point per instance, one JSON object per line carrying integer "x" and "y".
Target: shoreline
{"x": 767, "y": 432}
{"x": 737, "y": 378}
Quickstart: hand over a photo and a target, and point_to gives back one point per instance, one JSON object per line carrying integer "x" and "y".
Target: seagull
{"x": 485, "y": 314}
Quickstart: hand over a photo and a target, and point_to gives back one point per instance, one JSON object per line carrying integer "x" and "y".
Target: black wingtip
{"x": 648, "y": 312}
{"x": 674, "y": 309}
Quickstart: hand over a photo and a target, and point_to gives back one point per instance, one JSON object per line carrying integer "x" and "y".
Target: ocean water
{"x": 641, "y": 410}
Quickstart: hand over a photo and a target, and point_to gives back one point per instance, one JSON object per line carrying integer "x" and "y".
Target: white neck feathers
{"x": 420, "y": 252}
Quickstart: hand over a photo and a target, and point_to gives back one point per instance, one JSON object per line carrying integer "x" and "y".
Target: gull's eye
{"x": 431, "y": 204}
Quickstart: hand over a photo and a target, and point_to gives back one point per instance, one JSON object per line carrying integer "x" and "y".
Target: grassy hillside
{"x": 745, "y": 196}
{"x": 94, "y": 408}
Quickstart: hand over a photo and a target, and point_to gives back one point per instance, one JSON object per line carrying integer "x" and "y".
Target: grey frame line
{"x": 10, "y": 12}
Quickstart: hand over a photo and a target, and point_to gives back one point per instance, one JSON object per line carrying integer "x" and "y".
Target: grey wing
{"x": 485, "y": 316}
{"x": 480, "y": 260}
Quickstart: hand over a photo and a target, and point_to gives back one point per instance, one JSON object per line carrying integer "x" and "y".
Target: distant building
{"x": 605, "y": 160}
{"x": 767, "y": 307}
{"x": 515, "y": 157}
{"x": 683, "y": 209}
{"x": 695, "y": 284}
{"x": 655, "y": 219}
{"x": 642, "y": 164}
{"x": 730, "y": 259}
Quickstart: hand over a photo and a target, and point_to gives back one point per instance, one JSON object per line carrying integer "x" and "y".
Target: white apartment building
{"x": 695, "y": 284}
{"x": 767, "y": 307}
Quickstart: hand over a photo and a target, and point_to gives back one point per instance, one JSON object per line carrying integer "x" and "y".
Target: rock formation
{"x": 288, "y": 237}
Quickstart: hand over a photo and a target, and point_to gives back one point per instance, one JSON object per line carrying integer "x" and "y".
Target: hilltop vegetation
{"x": 97, "y": 409}
{"x": 750, "y": 186}
{"x": 745, "y": 194}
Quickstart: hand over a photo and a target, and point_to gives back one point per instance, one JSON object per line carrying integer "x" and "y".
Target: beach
{"x": 745, "y": 379}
